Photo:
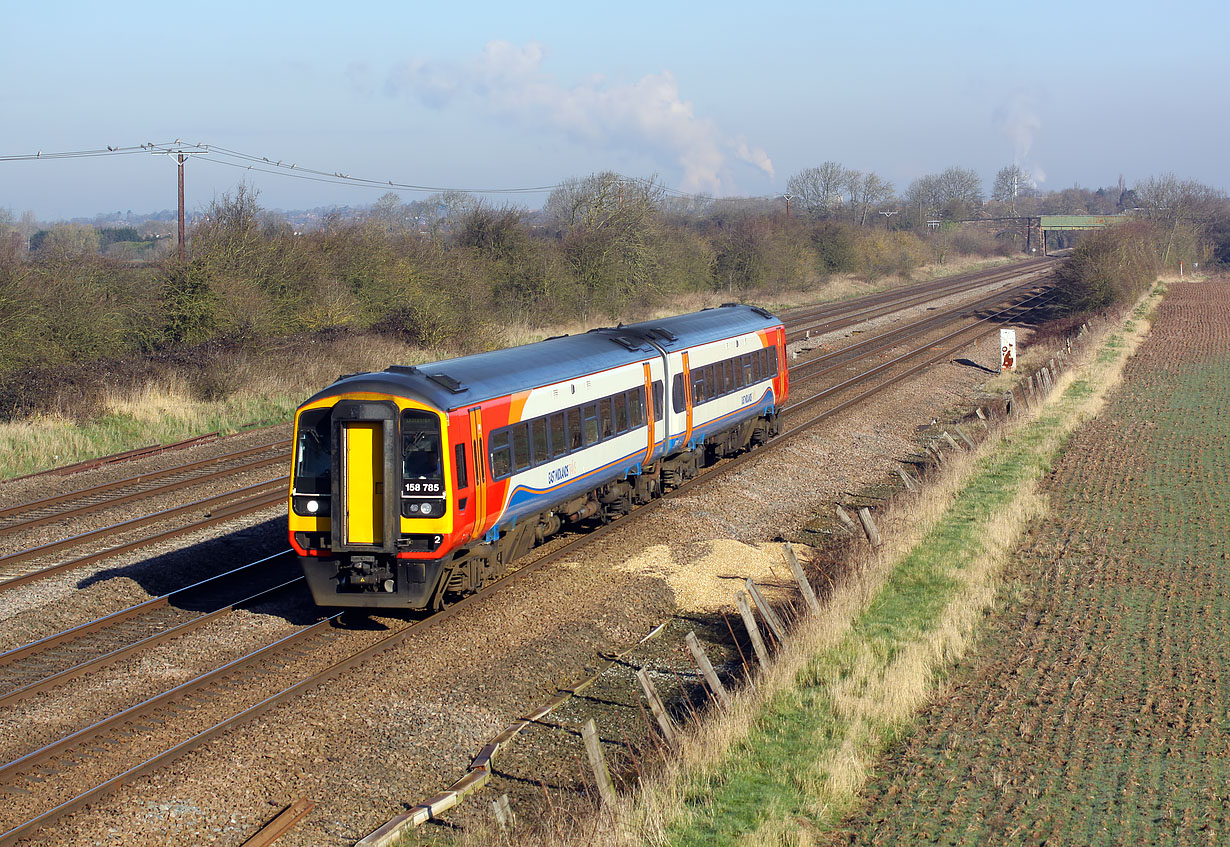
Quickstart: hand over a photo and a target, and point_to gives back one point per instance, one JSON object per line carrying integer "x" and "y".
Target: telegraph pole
{"x": 788, "y": 197}
{"x": 887, "y": 215}
{"x": 181, "y": 155}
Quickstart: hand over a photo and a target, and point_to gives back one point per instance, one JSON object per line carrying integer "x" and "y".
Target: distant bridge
{"x": 1045, "y": 223}
{"x": 1075, "y": 222}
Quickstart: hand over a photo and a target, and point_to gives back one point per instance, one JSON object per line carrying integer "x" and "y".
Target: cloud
{"x": 1018, "y": 121}
{"x": 754, "y": 156}
{"x": 648, "y": 115}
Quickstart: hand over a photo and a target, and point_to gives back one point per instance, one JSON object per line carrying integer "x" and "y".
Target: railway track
{"x": 814, "y": 320}
{"x": 90, "y": 758}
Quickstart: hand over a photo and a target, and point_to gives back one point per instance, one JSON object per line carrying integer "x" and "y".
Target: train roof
{"x": 463, "y": 381}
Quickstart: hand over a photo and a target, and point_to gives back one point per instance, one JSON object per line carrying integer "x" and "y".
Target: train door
{"x": 363, "y": 475}
{"x": 480, "y": 473}
{"x": 686, "y": 374}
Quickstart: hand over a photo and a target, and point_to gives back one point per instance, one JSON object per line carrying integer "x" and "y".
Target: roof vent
{"x": 402, "y": 369}
{"x": 664, "y": 333}
{"x": 448, "y": 382}
{"x": 625, "y": 341}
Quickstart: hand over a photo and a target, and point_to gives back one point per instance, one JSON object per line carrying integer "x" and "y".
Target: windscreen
{"x": 313, "y": 459}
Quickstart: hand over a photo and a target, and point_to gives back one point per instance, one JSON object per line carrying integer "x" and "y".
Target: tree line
{"x": 449, "y": 272}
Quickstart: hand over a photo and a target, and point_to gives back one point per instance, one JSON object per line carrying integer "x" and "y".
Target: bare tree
{"x": 962, "y": 192}
{"x": 1011, "y": 182}
{"x": 1166, "y": 198}
{"x": 821, "y": 189}
{"x": 867, "y": 193}
{"x": 1182, "y": 204}
{"x": 925, "y": 195}
{"x": 954, "y": 194}
{"x": 391, "y": 214}
{"x": 597, "y": 200}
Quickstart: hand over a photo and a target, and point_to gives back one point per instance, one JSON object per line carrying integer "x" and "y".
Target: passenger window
{"x": 501, "y": 454}
{"x": 710, "y": 386}
{"x": 559, "y": 440}
{"x": 619, "y": 404}
{"x": 606, "y": 417}
{"x": 747, "y": 370}
{"x": 521, "y": 446}
{"x": 677, "y": 394}
{"x": 540, "y": 441}
{"x": 757, "y": 360}
{"x": 636, "y": 407}
{"x": 591, "y": 424}
{"x": 771, "y": 358}
{"x": 575, "y": 441}
{"x": 728, "y": 373}
{"x": 659, "y": 403}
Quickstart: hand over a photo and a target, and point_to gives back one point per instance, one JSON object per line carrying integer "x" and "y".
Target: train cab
{"x": 370, "y": 496}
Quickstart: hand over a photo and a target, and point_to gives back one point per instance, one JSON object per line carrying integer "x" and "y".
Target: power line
{"x": 285, "y": 167}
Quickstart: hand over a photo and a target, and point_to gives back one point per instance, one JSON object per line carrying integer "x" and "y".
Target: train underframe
{"x": 377, "y": 581}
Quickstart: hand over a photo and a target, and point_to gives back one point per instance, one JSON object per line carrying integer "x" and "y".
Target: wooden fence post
{"x": 706, "y": 669}
{"x": 843, "y": 517}
{"x": 655, "y": 706}
{"x": 952, "y": 442}
{"x": 766, "y": 611}
{"x": 964, "y": 436}
{"x": 809, "y": 593}
{"x": 606, "y": 789}
{"x": 907, "y": 479}
{"x": 503, "y": 812}
{"x": 753, "y": 631}
{"x": 869, "y": 526}
{"x": 982, "y": 419}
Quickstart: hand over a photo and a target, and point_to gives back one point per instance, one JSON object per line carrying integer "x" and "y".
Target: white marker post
{"x": 1007, "y": 349}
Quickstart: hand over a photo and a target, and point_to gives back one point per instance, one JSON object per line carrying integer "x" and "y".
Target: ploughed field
{"x": 1096, "y": 707}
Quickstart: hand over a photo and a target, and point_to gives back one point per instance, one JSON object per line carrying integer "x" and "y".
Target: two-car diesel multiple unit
{"x": 418, "y": 483}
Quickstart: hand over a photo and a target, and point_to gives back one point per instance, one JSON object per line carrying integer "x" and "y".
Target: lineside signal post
{"x": 1007, "y": 349}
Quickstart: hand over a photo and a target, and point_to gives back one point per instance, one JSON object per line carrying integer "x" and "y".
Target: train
{"x": 415, "y": 485}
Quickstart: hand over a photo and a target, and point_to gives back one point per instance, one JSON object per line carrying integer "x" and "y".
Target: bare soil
{"x": 1097, "y": 708}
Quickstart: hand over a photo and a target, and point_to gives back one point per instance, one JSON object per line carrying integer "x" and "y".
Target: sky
{"x": 720, "y": 98}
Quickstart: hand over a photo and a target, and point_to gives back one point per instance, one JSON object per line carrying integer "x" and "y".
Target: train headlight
{"x": 426, "y": 508}
{"x": 414, "y": 507}
{"x": 313, "y": 506}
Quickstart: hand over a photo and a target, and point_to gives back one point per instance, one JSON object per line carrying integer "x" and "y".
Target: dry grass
{"x": 866, "y": 694}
